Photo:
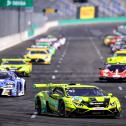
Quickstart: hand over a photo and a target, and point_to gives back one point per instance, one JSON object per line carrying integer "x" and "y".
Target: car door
{"x": 54, "y": 98}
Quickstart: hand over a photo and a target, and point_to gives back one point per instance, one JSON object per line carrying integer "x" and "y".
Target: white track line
{"x": 53, "y": 77}
{"x": 120, "y": 88}
{"x": 34, "y": 115}
{"x": 60, "y": 61}
{"x": 56, "y": 71}
{"x": 96, "y": 48}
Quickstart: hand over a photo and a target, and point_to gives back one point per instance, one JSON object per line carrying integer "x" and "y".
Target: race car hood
{"x": 91, "y": 100}
{"x": 39, "y": 56}
{"x": 118, "y": 59}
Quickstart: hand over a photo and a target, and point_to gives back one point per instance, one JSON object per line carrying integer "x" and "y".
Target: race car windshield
{"x": 123, "y": 54}
{"x": 38, "y": 52}
{"x": 113, "y": 68}
{"x": 85, "y": 92}
{"x": 14, "y": 62}
{"x": 4, "y": 75}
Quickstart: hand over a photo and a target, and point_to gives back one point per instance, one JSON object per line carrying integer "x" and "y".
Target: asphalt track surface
{"x": 77, "y": 61}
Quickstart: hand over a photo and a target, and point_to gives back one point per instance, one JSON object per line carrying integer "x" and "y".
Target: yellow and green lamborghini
{"x": 19, "y": 66}
{"x": 75, "y": 99}
{"x": 118, "y": 57}
{"x": 39, "y": 55}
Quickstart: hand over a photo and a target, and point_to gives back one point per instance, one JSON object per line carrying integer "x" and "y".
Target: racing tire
{"x": 61, "y": 109}
{"x": 26, "y": 74}
{"x": 100, "y": 79}
{"x": 38, "y": 106}
{"x": 117, "y": 115}
{"x": 48, "y": 108}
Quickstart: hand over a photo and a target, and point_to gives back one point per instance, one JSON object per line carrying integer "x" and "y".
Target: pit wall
{"x": 12, "y": 40}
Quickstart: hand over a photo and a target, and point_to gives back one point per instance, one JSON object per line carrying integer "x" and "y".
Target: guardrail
{"x": 12, "y": 40}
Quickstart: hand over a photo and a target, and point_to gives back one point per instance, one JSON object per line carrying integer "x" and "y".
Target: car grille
{"x": 39, "y": 60}
{"x": 99, "y": 112}
{"x": 85, "y": 112}
{"x": 79, "y": 110}
{"x": 94, "y": 103}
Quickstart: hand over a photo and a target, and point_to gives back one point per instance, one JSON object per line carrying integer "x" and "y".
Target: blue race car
{"x": 11, "y": 84}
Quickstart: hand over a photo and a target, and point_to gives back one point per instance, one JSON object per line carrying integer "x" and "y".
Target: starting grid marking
{"x": 120, "y": 88}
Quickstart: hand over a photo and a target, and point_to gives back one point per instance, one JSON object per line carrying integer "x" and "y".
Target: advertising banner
{"x": 16, "y": 3}
{"x": 87, "y": 12}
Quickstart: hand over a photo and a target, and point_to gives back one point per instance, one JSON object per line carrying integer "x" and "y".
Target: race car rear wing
{"x": 15, "y": 59}
{"x": 36, "y": 49}
{"x": 51, "y": 85}
{"x": 48, "y": 85}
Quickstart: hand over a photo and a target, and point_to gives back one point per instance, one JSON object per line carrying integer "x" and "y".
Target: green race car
{"x": 19, "y": 66}
{"x": 52, "y": 50}
{"x": 75, "y": 99}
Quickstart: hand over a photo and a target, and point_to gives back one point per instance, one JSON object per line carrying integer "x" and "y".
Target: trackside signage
{"x": 87, "y": 12}
{"x": 16, "y": 3}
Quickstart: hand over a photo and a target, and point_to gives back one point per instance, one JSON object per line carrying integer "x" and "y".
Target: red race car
{"x": 112, "y": 72}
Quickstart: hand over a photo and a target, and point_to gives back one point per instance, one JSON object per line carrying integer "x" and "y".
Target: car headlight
{"x": 47, "y": 58}
{"x": 76, "y": 104}
{"x": 106, "y": 70}
{"x": 113, "y": 104}
{"x": 21, "y": 68}
{"x": 78, "y": 101}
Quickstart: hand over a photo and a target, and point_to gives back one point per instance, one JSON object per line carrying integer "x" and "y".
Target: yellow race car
{"x": 20, "y": 66}
{"x": 39, "y": 55}
{"x": 120, "y": 53}
{"x": 118, "y": 57}
{"x": 76, "y": 99}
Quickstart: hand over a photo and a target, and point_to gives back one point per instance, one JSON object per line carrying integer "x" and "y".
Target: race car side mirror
{"x": 100, "y": 68}
{"x": 54, "y": 96}
{"x": 109, "y": 94}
